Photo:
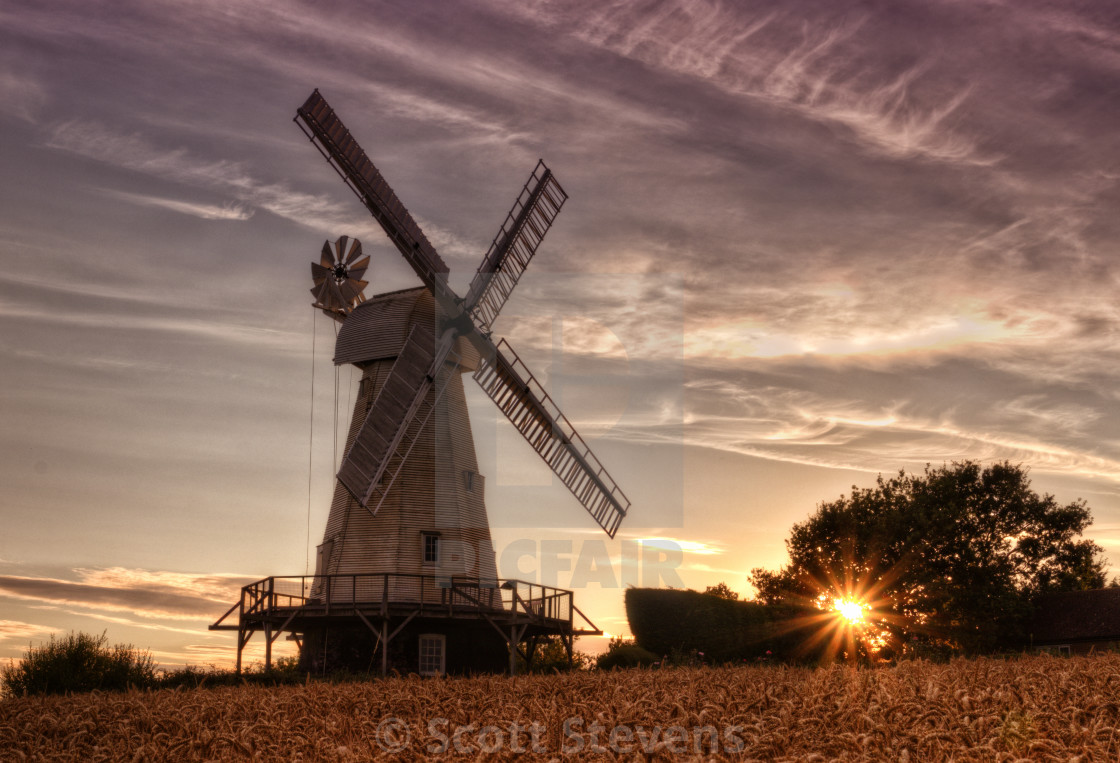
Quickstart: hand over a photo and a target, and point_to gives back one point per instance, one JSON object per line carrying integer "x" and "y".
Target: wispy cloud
{"x": 729, "y": 339}
{"x": 23, "y": 96}
{"x": 146, "y": 593}
{"x": 228, "y": 332}
{"x": 462, "y": 119}
{"x": 818, "y": 75}
{"x": 841, "y": 430}
{"x": 133, "y": 151}
{"x": 133, "y": 297}
{"x": 700, "y": 548}
{"x": 222, "y": 654}
{"x": 14, "y": 630}
{"x": 227, "y": 211}
{"x": 211, "y": 586}
{"x": 701, "y": 567}
{"x": 131, "y": 622}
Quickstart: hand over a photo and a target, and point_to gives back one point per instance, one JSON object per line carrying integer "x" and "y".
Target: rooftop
{"x": 1078, "y": 616}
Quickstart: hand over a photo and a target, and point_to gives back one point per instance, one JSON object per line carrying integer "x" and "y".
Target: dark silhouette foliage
{"x": 551, "y": 656}
{"x": 950, "y": 559}
{"x": 78, "y": 662}
{"x": 676, "y": 622}
{"x": 285, "y": 671}
{"x": 722, "y": 590}
{"x": 625, "y": 654}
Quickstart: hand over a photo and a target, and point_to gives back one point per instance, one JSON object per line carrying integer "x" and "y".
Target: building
{"x": 1077, "y": 622}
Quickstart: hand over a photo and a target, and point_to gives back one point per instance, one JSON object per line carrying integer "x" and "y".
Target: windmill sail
{"x": 536, "y": 416}
{"x": 343, "y": 152}
{"x": 516, "y": 243}
{"x": 411, "y": 377}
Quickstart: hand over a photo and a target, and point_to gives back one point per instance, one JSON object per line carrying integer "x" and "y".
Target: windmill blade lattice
{"x": 516, "y": 243}
{"x": 517, "y": 393}
{"x": 381, "y": 434}
{"x": 334, "y": 141}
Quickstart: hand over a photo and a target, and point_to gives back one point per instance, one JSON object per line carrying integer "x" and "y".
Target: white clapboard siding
{"x": 430, "y": 493}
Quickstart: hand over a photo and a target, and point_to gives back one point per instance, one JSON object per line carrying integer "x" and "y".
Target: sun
{"x": 846, "y": 610}
{"x": 852, "y": 611}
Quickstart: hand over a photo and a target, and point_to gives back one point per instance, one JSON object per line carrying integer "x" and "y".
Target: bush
{"x": 625, "y": 654}
{"x": 196, "y": 677}
{"x": 76, "y": 663}
{"x": 285, "y": 671}
{"x": 551, "y": 656}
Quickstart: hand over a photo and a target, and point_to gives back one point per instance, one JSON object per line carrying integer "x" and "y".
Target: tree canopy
{"x": 950, "y": 558}
{"x": 722, "y": 590}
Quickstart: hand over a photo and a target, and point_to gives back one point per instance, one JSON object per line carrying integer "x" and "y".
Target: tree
{"x": 722, "y": 591}
{"x": 624, "y": 653}
{"x": 551, "y": 656}
{"x": 950, "y": 559}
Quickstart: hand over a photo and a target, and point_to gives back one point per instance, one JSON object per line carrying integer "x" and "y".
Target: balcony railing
{"x": 381, "y": 593}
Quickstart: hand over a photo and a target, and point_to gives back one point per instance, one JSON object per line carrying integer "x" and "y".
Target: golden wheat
{"x": 1037, "y": 708}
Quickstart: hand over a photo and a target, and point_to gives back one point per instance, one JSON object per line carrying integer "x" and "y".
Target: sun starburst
{"x": 851, "y": 610}
{"x": 847, "y": 609}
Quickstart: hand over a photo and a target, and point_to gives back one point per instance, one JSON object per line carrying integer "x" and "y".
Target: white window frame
{"x": 424, "y": 537}
{"x": 1056, "y": 650}
{"x": 424, "y": 662}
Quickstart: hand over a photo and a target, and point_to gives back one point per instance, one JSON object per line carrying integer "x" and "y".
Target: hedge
{"x": 672, "y": 621}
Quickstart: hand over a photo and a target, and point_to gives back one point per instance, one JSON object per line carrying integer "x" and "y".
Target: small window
{"x": 430, "y": 547}
{"x": 468, "y": 480}
{"x": 432, "y": 654}
{"x": 1062, "y": 650}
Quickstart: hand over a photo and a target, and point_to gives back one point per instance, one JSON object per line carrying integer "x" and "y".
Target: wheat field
{"x": 1037, "y": 708}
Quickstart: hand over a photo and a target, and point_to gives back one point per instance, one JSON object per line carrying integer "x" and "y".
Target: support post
{"x": 244, "y": 633}
{"x": 531, "y": 653}
{"x": 385, "y": 647}
{"x": 240, "y": 646}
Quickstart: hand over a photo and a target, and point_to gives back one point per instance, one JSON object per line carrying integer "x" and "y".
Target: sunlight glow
{"x": 850, "y": 610}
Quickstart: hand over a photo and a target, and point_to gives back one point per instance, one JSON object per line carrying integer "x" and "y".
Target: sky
{"x": 806, "y": 243}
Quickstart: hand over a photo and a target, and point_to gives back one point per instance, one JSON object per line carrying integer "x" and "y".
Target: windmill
{"x": 408, "y": 524}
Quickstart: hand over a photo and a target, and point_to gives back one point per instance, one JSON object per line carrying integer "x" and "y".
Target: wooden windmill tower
{"x": 406, "y": 566}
